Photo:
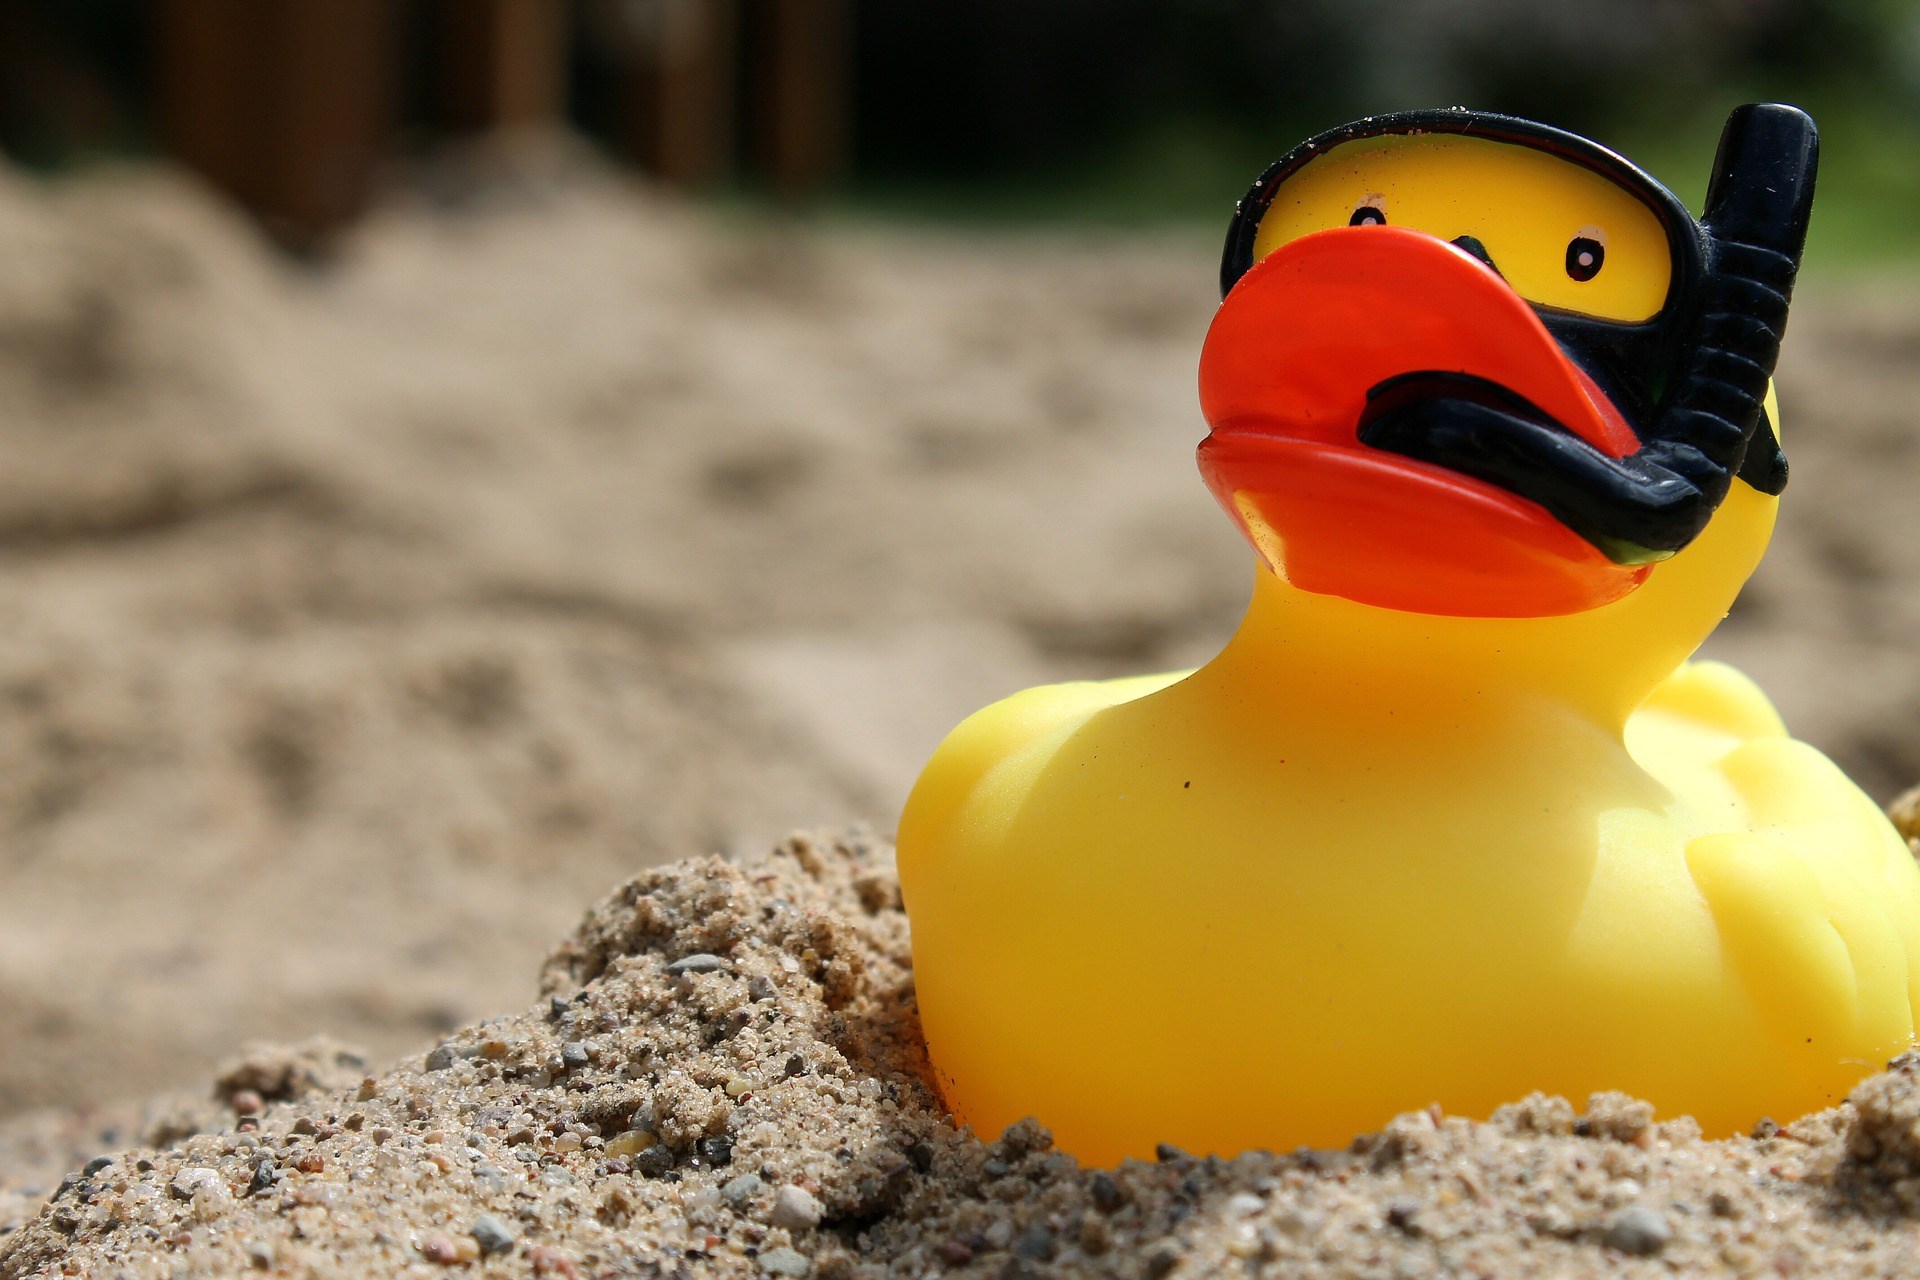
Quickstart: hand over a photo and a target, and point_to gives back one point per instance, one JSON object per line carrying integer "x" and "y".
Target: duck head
{"x": 1470, "y": 365}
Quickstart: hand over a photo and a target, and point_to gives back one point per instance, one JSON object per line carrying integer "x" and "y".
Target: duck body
{"x": 1275, "y": 901}
{"x": 1452, "y": 818}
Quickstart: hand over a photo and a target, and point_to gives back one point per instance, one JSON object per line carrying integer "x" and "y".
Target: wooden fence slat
{"x": 291, "y": 105}
{"x": 332, "y": 111}
{"x": 287, "y": 105}
{"x": 681, "y": 90}
{"x": 805, "y": 57}
{"x": 502, "y": 63}
{"x": 204, "y": 48}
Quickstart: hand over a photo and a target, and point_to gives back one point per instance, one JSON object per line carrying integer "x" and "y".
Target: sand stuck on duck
{"x": 724, "y": 1078}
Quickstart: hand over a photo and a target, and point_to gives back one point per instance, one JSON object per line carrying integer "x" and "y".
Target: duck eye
{"x": 1368, "y": 215}
{"x": 1584, "y": 256}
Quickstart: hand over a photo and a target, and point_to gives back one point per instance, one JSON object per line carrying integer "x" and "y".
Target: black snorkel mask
{"x": 1691, "y": 379}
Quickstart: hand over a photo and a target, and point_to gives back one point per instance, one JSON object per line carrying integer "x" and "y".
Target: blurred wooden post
{"x": 682, "y": 87}
{"x": 285, "y": 104}
{"x": 204, "y": 47}
{"x": 806, "y": 57}
{"x": 502, "y": 64}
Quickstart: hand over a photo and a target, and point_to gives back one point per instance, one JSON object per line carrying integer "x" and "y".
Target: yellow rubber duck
{"x": 1452, "y": 818}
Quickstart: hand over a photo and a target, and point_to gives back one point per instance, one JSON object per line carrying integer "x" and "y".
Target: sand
{"x": 726, "y": 1079}
{"x": 360, "y": 624}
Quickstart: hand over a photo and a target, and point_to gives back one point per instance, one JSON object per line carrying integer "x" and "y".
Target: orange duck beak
{"x": 1327, "y": 328}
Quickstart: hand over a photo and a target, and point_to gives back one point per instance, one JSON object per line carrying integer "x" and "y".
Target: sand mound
{"x": 726, "y": 1079}
{"x": 362, "y": 623}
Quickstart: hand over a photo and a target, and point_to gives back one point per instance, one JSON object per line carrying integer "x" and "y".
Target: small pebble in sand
{"x": 491, "y": 1234}
{"x": 441, "y": 1058}
{"x": 717, "y": 1151}
{"x": 1034, "y": 1244}
{"x": 785, "y": 1262}
{"x": 699, "y": 962}
{"x": 1402, "y": 1212}
{"x": 1244, "y": 1205}
{"x": 1243, "y": 1240}
{"x": 1638, "y": 1230}
{"x": 741, "y": 1189}
{"x": 796, "y": 1209}
{"x": 653, "y": 1162}
{"x": 1161, "y": 1261}
{"x": 548, "y": 1261}
{"x": 449, "y": 1252}
{"x": 247, "y": 1103}
{"x": 189, "y": 1181}
{"x": 630, "y": 1143}
{"x": 573, "y": 1055}
{"x": 212, "y": 1201}
{"x": 1106, "y": 1193}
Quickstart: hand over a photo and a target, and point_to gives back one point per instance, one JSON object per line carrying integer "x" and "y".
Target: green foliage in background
{"x": 1159, "y": 112}
{"x": 1652, "y": 78}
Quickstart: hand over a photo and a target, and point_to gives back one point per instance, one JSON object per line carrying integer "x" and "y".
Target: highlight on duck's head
{"x": 1476, "y": 366}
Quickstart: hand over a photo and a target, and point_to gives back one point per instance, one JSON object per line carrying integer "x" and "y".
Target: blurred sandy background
{"x": 365, "y": 614}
